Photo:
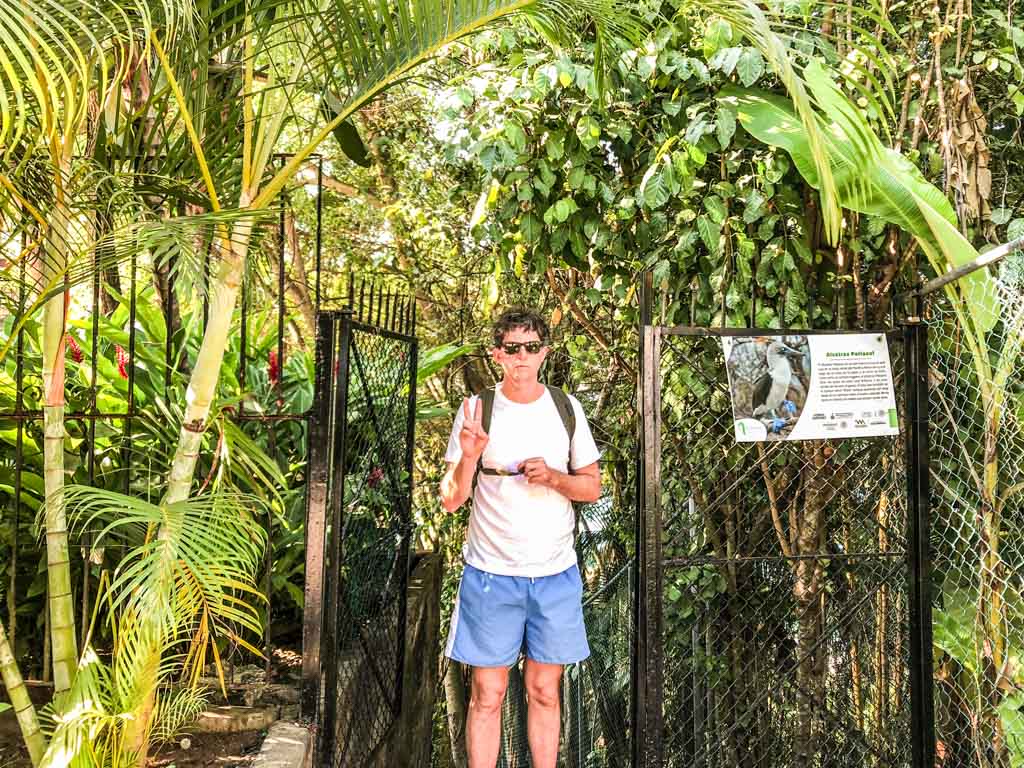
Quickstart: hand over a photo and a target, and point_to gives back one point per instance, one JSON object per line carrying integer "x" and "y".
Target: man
{"x": 521, "y": 586}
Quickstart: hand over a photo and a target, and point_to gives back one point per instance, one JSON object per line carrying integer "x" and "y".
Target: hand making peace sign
{"x": 472, "y": 438}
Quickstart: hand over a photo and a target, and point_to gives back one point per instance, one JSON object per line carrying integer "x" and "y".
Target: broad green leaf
{"x": 437, "y": 358}
{"x": 553, "y": 145}
{"x": 725, "y": 60}
{"x": 530, "y": 228}
{"x": 486, "y": 198}
{"x": 588, "y": 131}
{"x": 755, "y": 206}
{"x": 719, "y": 34}
{"x": 716, "y": 208}
{"x": 347, "y": 136}
{"x": 1001, "y": 215}
{"x": 565, "y": 208}
{"x": 515, "y": 135}
{"x": 869, "y": 178}
{"x": 750, "y": 67}
{"x": 725, "y": 126}
{"x": 709, "y": 233}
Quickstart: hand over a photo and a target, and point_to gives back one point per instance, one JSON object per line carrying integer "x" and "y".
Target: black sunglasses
{"x": 513, "y": 347}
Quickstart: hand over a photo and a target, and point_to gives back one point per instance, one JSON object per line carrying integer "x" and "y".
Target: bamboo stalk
{"x": 61, "y": 608}
{"x": 23, "y": 707}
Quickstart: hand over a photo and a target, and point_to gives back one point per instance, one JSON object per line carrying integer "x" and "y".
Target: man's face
{"x": 523, "y": 366}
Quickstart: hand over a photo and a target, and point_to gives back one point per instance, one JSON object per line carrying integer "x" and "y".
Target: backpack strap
{"x": 487, "y": 401}
{"x": 568, "y": 414}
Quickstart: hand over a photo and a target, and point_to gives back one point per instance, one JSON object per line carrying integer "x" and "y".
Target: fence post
{"x": 647, "y": 586}
{"x": 336, "y": 439}
{"x": 922, "y": 718}
{"x": 316, "y": 513}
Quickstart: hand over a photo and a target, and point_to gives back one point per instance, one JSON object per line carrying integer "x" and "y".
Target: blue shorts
{"x": 496, "y": 617}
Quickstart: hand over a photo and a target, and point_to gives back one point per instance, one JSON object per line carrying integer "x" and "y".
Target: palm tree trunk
{"x": 201, "y": 391}
{"x": 18, "y": 694}
{"x": 58, "y": 565}
{"x": 202, "y": 387}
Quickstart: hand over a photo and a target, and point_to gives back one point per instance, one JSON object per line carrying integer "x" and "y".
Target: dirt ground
{"x": 206, "y": 750}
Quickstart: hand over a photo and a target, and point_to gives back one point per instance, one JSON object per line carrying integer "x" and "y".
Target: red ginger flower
{"x": 273, "y": 367}
{"x": 72, "y": 347}
{"x": 122, "y": 362}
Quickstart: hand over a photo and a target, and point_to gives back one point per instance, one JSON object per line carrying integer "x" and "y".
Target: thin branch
{"x": 773, "y": 499}
{"x": 587, "y": 324}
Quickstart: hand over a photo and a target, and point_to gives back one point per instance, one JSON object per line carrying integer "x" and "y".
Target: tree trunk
{"x": 22, "y": 704}
{"x": 58, "y": 566}
{"x": 202, "y": 388}
{"x": 201, "y": 392}
{"x": 881, "y": 630}
{"x": 806, "y": 590}
{"x": 298, "y": 282}
{"x": 455, "y": 696}
{"x": 992, "y": 608}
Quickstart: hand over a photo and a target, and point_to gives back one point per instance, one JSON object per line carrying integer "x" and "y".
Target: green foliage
{"x": 890, "y": 188}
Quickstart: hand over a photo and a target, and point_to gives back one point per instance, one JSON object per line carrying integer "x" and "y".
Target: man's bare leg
{"x": 483, "y": 723}
{"x": 544, "y": 714}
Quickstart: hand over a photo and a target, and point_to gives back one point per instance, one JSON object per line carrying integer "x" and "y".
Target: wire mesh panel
{"x": 361, "y": 493}
{"x": 783, "y": 584}
{"x": 976, "y": 373}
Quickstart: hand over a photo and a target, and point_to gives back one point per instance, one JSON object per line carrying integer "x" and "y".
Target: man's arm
{"x": 457, "y": 483}
{"x": 584, "y": 484}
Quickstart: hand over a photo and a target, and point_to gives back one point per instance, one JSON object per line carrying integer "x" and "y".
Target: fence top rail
{"x": 698, "y": 330}
{"x": 986, "y": 259}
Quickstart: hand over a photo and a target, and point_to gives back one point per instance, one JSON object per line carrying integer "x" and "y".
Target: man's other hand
{"x": 536, "y": 471}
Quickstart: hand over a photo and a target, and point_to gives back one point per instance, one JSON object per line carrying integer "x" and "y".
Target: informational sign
{"x": 810, "y": 386}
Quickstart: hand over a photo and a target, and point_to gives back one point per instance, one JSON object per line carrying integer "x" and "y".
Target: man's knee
{"x": 488, "y": 692}
{"x": 544, "y": 693}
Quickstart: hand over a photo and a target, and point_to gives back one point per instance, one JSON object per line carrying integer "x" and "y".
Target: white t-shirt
{"x": 515, "y": 528}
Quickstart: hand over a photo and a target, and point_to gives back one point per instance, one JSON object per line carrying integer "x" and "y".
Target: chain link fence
{"x": 976, "y": 374}
{"x": 784, "y": 568}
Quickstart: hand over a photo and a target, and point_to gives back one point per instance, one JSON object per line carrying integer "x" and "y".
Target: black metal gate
{"x": 359, "y": 524}
{"x": 782, "y": 601}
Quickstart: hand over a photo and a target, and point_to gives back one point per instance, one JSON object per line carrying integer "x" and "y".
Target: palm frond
{"x": 190, "y": 581}
{"x": 867, "y": 176}
{"x": 353, "y": 50}
{"x": 187, "y": 243}
{"x": 52, "y": 55}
